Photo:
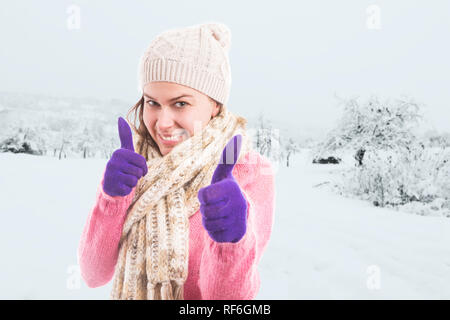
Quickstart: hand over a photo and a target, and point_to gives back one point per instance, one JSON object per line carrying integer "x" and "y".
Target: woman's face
{"x": 173, "y": 110}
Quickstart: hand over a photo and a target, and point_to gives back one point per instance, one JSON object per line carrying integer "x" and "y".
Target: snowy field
{"x": 323, "y": 246}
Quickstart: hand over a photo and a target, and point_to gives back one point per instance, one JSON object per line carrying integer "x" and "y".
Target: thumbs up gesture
{"x": 222, "y": 204}
{"x": 125, "y": 167}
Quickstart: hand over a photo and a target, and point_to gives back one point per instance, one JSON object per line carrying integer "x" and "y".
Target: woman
{"x": 185, "y": 206}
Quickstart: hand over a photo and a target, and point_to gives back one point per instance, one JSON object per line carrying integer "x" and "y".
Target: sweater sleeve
{"x": 98, "y": 247}
{"x": 228, "y": 271}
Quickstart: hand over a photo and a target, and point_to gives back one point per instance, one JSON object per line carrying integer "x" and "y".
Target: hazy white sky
{"x": 288, "y": 58}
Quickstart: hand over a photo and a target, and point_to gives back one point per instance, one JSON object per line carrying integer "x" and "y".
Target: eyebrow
{"x": 184, "y": 95}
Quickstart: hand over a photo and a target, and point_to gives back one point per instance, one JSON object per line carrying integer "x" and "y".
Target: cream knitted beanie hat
{"x": 194, "y": 56}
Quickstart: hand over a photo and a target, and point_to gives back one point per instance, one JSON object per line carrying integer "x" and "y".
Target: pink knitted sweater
{"x": 217, "y": 271}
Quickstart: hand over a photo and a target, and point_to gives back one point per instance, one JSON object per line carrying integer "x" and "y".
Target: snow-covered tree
{"x": 267, "y": 139}
{"x": 395, "y": 167}
{"x": 290, "y": 148}
{"x": 395, "y": 179}
{"x": 23, "y": 140}
{"x": 373, "y": 124}
{"x": 433, "y": 138}
{"x": 62, "y": 127}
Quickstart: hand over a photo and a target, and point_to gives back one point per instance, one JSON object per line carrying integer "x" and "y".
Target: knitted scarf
{"x": 154, "y": 244}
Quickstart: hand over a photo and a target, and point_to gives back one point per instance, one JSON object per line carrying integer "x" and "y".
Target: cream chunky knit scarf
{"x": 154, "y": 245}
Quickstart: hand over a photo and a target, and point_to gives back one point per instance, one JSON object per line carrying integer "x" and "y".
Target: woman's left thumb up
{"x": 229, "y": 157}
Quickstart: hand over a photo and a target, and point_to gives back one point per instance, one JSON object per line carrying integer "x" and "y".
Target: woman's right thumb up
{"x": 125, "y": 167}
{"x": 126, "y": 138}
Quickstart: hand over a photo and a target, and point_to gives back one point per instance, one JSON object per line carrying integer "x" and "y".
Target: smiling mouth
{"x": 171, "y": 141}
{"x": 171, "y": 138}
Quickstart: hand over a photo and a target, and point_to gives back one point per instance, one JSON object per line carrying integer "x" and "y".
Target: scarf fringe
{"x": 168, "y": 290}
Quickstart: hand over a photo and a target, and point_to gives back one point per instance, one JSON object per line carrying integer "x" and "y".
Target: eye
{"x": 150, "y": 102}
{"x": 185, "y": 103}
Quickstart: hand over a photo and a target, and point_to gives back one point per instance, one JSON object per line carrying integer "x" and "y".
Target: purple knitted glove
{"x": 222, "y": 204}
{"x": 125, "y": 167}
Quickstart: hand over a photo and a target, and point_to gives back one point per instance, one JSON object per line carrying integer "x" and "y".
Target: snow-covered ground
{"x": 323, "y": 246}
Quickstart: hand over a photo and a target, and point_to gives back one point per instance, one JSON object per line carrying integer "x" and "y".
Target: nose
{"x": 165, "y": 120}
